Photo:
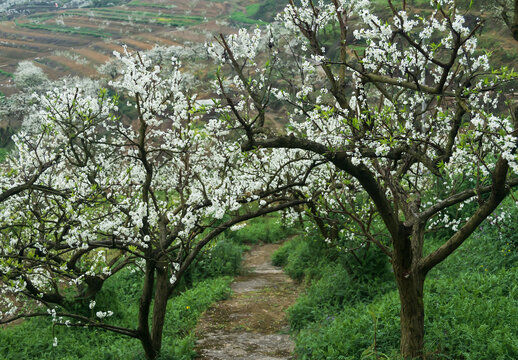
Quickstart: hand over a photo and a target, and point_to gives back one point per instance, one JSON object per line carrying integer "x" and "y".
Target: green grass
{"x": 65, "y": 29}
{"x": 471, "y": 316}
{"x": 202, "y": 285}
{"x": 6, "y": 73}
{"x": 223, "y": 257}
{"x": 3, "y": 154}
{"x": 471, "y": 300}
{"x": 266, "y": 229}
{"x": 33, "y": 338}
{"x": 250, "y": 16}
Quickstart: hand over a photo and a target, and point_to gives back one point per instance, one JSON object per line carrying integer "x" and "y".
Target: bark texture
{"x": 412, "y": 316}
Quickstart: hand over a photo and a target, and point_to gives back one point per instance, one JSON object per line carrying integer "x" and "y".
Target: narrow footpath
{"x": 252, "y": 324}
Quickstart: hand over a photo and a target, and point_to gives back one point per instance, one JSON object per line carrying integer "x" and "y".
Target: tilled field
{"x": 76, "y": 41}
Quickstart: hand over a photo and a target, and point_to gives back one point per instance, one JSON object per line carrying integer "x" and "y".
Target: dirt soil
{"x": 252, "y": 324}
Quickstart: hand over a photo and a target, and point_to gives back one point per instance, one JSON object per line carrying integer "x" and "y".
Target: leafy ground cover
{"x": 353, "y": 312}
{"x": 33, "y": 339}
{"x": 3, "y": 153}
{"x": 266, "y": 229}
{"x": 210, "y": 282}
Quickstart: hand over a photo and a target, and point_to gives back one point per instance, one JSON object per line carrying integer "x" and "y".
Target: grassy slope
{"x": 471, "y": 301}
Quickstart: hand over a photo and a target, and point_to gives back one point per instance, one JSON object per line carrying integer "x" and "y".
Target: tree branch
{"x": 499, "y": 190}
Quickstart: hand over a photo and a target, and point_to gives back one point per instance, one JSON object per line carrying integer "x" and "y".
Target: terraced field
{"x": 76, "y": 41}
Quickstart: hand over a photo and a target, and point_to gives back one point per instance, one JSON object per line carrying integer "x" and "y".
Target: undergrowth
{"x": 266, "y": 229}
{"x": 352, "y": 312}
{"x": 33, "y": 339}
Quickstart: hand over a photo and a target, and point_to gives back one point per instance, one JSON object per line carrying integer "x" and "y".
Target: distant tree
{"x": 29, "y": 76}
{"x": 16, "y": 109}
{"x": 146, "y": 195}
{"x": 406, "y": 109}
{"x": 29, "y": 79}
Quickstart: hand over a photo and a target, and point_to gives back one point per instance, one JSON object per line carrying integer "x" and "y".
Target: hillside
{"x": 66, "y": 39}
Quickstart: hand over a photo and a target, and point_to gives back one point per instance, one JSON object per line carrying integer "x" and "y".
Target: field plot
{"x": 77, "y": 41}
{"x": 93, "y": 56}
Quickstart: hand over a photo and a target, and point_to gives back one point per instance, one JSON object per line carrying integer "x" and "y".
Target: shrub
{"x": 336, "y": 289}
{"x": 280, "y": 256}
{"x": 224, "y": 258}
{"x": 266, "y": 229}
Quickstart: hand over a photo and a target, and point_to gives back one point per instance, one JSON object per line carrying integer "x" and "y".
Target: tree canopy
{"x": 405, "y": 107}
{"x": 89, "y": 194}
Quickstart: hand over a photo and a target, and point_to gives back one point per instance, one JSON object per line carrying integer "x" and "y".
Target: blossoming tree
{"x": 406, "y": 109}
{"x": 110, "y": 194}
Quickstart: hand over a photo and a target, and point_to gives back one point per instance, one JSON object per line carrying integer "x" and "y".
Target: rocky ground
{"x": 252, "y": 324}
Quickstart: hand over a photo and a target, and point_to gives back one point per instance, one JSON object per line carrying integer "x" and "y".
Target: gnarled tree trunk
{"x": 144, "y": 307}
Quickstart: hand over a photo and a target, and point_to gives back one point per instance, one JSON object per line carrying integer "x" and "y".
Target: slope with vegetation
{"x": 206, "y": 282}
{"x": 350, "y": 307}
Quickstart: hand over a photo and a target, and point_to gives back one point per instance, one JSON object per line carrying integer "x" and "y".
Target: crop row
{"x": 146, "y": 13}
{"x": 64, "y": 29}
{"x": 136, "y": 3}
{"x": 162, "y": 19}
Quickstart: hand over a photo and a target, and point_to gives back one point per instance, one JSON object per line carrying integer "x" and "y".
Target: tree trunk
{"x": 514, "y": 27}
{"x": 412, "y": 315}
{"x": 160, "y": 307}
{"x": 145, "y": 304}
{"x": 408, "y": 250}
{"x": 147, "y": 344}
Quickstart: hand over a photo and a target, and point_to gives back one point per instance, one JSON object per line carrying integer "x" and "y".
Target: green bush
{"x": 348, "y": 333}
{"x": 224, "y": 258}
{"x": 280, "y": 256}
{"x": 305, "y": 259}
{"x": 471, "y": 302}
{"x": 335, "y": 289}
{"x": 33, "y": 338}
{"x": 471, "y": 317}
{"x": 3, "y": 154}
{"x": 266, "y": 229}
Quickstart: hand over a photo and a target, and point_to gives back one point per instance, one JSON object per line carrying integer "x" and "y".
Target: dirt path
{"x": 252, "y": 324}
